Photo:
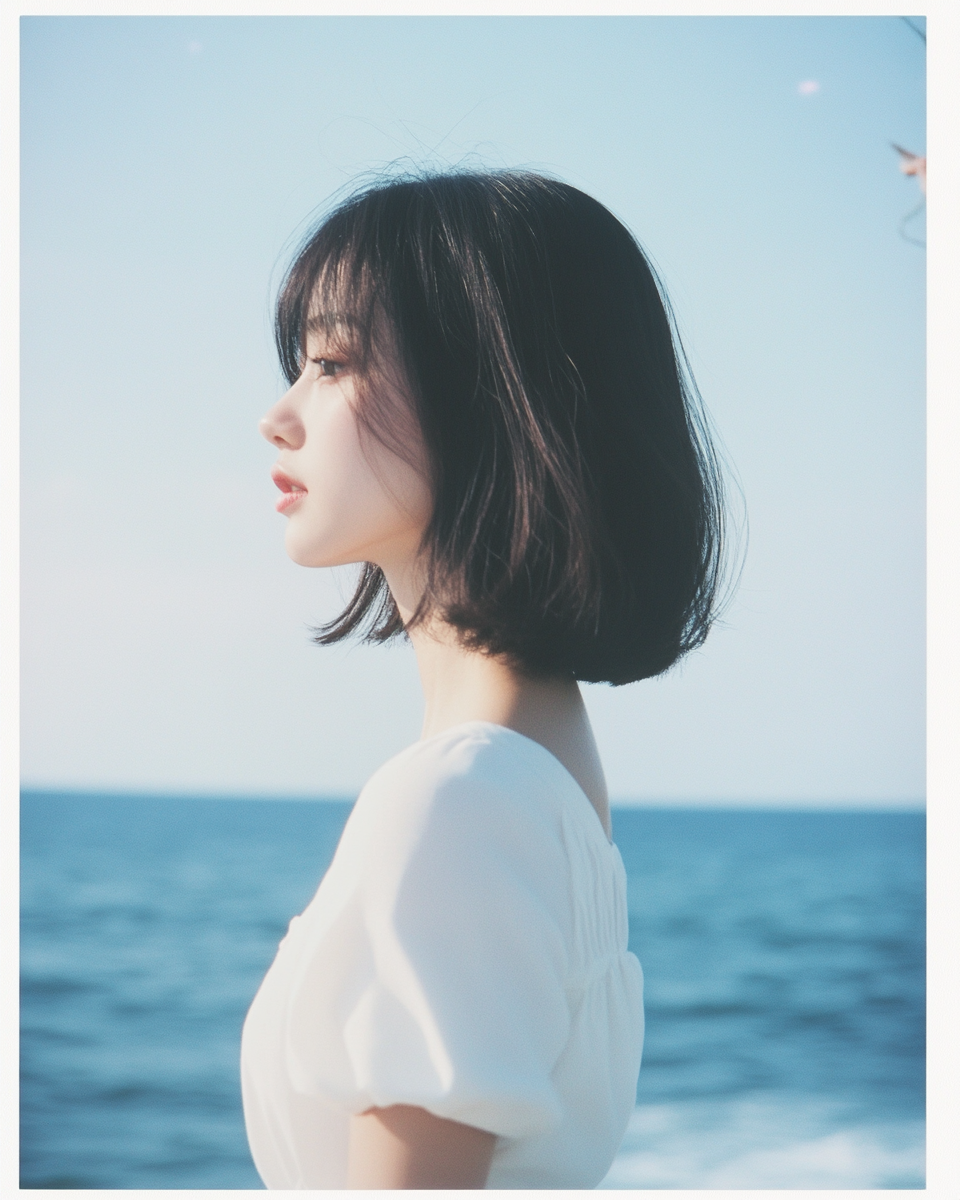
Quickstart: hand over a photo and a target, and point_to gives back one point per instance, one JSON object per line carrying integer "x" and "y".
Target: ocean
{"x": 783, "y": 955}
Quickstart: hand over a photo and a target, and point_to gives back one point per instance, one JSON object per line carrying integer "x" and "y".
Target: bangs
{"x": 328, "y": 291}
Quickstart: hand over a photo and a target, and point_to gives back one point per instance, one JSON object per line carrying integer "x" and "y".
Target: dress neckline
{"x": 461, "y": 725}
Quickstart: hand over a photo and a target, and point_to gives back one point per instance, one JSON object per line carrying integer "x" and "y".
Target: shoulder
{"x": 470, "y": 761}
{"x": 475, "y": 793}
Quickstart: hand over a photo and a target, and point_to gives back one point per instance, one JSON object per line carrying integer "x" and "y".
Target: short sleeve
{"x": 439, "y": 980}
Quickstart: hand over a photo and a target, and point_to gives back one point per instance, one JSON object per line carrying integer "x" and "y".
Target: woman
{"x": 487, "y": 411}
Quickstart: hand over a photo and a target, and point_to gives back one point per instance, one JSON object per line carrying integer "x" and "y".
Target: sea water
{"x": 783, "y": 955}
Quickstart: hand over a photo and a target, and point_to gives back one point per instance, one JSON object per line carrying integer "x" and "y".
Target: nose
{"x": 281, "y": 426}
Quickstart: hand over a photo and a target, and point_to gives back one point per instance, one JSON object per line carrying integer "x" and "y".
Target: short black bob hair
{"x": 578, "y": 504}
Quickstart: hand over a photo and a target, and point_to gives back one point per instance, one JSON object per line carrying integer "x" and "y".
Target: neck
{"x": 467, "y": 685}
{"x": 461, "y": 685}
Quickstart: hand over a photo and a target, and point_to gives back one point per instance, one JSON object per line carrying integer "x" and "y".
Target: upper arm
{"x": 437, "y": 976}
{"x": 407, "y": 1147}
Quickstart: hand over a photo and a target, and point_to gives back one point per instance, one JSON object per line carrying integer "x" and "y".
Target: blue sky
{"x": 168, "y": 164}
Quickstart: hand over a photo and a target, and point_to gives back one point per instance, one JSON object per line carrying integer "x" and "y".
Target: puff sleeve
{"x": 436, "y": 975}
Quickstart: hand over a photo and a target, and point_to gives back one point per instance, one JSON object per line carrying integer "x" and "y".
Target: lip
{"x": 291, "y": 489}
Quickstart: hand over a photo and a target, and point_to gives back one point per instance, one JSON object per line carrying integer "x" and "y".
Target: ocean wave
{"x": 770, "y": 1141}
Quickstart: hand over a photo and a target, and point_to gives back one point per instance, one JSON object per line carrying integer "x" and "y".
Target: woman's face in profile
{"x": 347, "y": 497}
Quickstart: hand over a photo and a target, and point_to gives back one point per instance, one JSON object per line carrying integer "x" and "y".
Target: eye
{"x": 328, "y": 366}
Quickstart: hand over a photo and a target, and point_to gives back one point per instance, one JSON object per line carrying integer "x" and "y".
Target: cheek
{"x": 342, "y": 471}
{"x": 402, "y": 486}
{"x": 361, "y": 498}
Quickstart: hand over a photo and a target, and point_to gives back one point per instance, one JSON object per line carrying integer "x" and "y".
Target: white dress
{"x": 466, "y": 952}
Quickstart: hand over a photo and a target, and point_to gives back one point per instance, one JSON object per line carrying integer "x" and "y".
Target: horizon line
{"x": 756, "y": 803}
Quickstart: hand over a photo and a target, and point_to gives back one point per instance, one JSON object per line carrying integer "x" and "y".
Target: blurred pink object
{"x": 913, "y": 164}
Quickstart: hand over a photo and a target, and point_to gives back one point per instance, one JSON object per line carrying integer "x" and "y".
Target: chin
{"x": 304, "y": 555}
{"x": 311, "y": 555}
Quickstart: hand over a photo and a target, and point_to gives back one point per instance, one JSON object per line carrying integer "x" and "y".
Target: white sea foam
{"x": 766, "y": 1141}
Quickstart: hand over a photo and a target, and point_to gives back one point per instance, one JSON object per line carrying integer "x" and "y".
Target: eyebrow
{"x": 323, "y": 322}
